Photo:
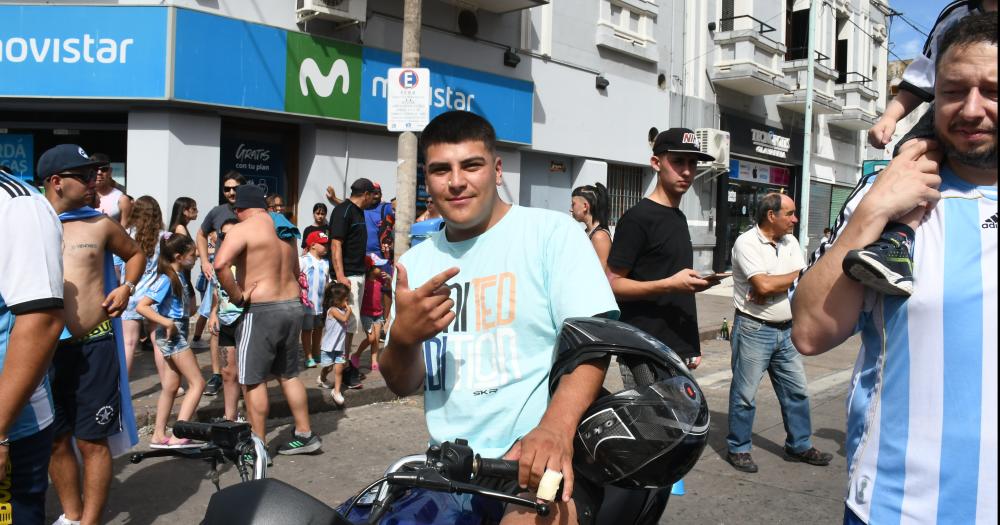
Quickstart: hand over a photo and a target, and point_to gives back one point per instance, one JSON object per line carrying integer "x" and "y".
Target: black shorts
{"x": 587, "y": 496}
{"x": 28, "y": 478}
{"x": 227, "y": 334}
{"x": 84, "y": 377}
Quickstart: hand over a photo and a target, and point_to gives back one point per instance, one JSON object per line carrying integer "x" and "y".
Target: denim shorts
{"x": 367, "y": 321}
{"x": 335, "y": 357}
{"x": 178, "y": 343}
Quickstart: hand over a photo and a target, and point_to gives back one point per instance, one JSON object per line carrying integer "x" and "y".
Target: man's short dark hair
{"x": 101, "y": 157}
{"x": 454, "y": 127}
{"x": 770, "y": 202}
{"x": 980, "y": 28}
{"x": 234, "y": 175}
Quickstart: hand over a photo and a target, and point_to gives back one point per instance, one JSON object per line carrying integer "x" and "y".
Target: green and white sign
{"x": 323, "y": 77}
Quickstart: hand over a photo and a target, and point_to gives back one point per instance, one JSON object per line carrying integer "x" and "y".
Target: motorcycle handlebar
{"x": 495, "y": 468}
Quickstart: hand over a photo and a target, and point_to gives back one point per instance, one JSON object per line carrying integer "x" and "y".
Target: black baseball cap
{"x": 362, "y": 185}
{"x": 249, "y": 196}
{"x": 62, "y": 158}
{"x": 679, "y": 140}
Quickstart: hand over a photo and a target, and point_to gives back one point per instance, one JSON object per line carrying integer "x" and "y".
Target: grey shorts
{"x": 269, "y": 341}
{"x": 178, "y": 343}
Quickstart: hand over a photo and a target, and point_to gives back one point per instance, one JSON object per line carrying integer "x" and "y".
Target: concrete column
{"x": 173, "y": 154}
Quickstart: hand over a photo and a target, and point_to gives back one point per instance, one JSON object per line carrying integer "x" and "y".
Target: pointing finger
{"x": 437, "y": 281}
{"x": 402, "y": 281}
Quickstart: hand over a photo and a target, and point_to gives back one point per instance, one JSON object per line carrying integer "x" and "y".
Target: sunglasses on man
{"x": 85, "y": 177}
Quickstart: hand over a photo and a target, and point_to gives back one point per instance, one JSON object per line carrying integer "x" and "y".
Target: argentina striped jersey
{"x": 922, "y": 408}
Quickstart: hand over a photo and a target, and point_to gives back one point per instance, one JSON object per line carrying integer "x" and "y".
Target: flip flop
{"x": 180, "y": 443}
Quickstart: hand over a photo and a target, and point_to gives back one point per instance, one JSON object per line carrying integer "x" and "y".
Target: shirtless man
{"x": 268, "y": 337}
{"x": 85, "y": 367}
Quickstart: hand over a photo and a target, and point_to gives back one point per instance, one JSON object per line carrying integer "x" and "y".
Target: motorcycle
{"x": 437, "y": 487}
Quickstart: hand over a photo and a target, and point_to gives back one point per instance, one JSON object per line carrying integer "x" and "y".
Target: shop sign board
{"x": 219, "y": 60}
{"x": 83, "y": 51}
{"x": 322, "y": 77}
{"x": 761, "y": 173}
{"x": 262, "y": 163}
{"x": 409, "y": 100}
{"x": 17, "y": 153}
{"x": 764, "y": 142}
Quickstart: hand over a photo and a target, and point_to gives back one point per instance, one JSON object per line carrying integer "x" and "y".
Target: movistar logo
{"x": 991, "y": 223}
{"x": 322, "y": 84}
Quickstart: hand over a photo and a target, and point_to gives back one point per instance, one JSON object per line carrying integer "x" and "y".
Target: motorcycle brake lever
{"x": 430, "y": 479}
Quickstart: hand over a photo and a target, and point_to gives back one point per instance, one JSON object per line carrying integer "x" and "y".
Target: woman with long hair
{"x": 185, "y": 210}
{"x": 146, "y": 229}
{"x": 590, "y": 206}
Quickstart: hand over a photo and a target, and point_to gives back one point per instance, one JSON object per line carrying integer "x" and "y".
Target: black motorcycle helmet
{"x": 650, "y": 434}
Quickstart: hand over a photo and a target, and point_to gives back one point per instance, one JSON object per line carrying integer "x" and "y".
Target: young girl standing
{"x": 372, "y": 312}
{"x": 331, "y": 358}
{"x": 170, "y": 295}
{"x": 146, "y": 229}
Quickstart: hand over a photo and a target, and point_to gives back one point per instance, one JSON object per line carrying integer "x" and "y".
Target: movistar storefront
{"x": 178, "y": 96}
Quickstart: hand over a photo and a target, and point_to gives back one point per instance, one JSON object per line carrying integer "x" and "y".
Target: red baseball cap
{"x": 317, "y": 238}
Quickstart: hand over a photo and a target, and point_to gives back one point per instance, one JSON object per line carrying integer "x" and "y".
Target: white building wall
{"x": 173, "y": 154}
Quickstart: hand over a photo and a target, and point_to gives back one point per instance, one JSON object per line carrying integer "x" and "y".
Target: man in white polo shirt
{"x": 766, "y": 260}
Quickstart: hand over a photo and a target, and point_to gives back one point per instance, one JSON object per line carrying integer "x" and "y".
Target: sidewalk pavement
{"x": 713, "y": 305}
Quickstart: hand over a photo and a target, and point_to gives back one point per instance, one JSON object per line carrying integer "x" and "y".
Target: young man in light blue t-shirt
{"x": 477, "y": 329}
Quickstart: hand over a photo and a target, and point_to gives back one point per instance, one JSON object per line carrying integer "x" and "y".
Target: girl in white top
{"x": 336, "y": 302}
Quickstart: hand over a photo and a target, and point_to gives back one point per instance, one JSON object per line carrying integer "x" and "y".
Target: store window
{"x": 796, "y": 30}
{"x": 624, "y": 189}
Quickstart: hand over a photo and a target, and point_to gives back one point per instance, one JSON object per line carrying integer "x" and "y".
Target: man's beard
{"x": 977, "y": 158}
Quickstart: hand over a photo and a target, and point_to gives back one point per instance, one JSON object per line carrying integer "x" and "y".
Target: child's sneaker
{"x": 323, "y": 384}
{"x": 338, "y": 398}
{"x": 884, "y": 266}
{"x": 300, "y": 444}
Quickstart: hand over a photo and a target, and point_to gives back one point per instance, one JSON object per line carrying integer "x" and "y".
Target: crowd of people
{"x": 473, "y": 313}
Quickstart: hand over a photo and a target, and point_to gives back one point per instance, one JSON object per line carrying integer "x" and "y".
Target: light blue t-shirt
{"x": 487, "y": 373}
{"x": 167, "y": 304}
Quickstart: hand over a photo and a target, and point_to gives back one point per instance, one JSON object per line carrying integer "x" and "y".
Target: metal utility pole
{"x": 807, "y": 137}
{"x": 406, "y": 166}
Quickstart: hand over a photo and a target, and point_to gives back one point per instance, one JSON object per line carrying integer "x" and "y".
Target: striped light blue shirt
{"x": 922, "y": 409}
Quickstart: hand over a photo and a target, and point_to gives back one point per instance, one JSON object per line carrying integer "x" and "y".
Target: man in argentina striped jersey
{"x": 922, "y": 408}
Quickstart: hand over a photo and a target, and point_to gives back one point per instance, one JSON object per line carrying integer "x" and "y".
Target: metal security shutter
{"x": 819, "y": 211}
{"x": 838, "y": 198}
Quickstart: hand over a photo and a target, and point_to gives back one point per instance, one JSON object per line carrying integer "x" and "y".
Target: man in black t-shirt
{"x": 348, "y": 237}
{"x": 651, "y": 256}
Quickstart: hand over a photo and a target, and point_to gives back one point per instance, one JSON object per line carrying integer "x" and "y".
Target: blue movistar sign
{"x": 83, "y": 51}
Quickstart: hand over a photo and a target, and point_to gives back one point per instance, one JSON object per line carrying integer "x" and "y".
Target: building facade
{"x": 180, "y": 91}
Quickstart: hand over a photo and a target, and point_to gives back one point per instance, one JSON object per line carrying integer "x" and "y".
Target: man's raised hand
{"x": 422, "y": 312}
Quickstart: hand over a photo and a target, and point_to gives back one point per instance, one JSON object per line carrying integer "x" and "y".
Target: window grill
{"x": 624, "y": 189}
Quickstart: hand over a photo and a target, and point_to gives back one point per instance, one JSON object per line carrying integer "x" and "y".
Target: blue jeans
{"x": 27, "y": 480}
{"x": 759, "y": 348}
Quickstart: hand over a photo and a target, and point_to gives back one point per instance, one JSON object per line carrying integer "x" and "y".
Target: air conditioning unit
{"x": 335, "y": 10}
{"x": 714, "y": 142}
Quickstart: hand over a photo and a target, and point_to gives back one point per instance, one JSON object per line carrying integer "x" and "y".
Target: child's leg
{"x": 317, "y": 338}
{"x": 324, "y": 372}
{"x": 376, "y": 344}
{"x": 130, "y": 340}
{"x": 186, "y": 365}
{"x": 307, "y": 339}
{"x": 338, "y": 377}
{"x": 170, "y": 381}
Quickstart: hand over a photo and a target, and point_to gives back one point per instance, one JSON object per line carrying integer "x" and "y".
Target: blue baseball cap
{"x": 62, "y": 158}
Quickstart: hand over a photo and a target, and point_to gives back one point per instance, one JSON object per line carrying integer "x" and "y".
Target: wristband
{"x": 131, "y": 287}
{"x": 5, "y": 442}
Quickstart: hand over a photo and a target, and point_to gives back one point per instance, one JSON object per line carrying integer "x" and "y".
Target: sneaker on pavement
{"x": 63, "y": 520}
{"x": 338, "y": 398}
{"x": 323, "y": 384}
{"x": 811, "y": 456}
{"x": 310, "y": 363}
{"x": 884, "y": 265}
{"x": 213, "y": 385}
{"x": 741, "y": 461}
{"x": 301, "y": 445}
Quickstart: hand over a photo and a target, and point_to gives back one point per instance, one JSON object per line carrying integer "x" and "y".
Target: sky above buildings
{"x": 905, "y": 41}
